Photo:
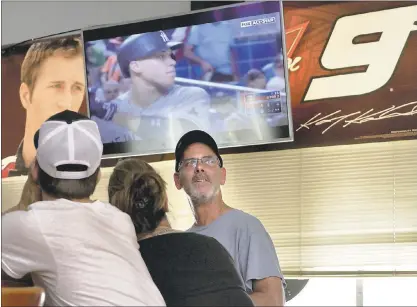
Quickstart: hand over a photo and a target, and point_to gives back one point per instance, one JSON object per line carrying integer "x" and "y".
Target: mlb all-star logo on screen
{"x": 257, "y": 22}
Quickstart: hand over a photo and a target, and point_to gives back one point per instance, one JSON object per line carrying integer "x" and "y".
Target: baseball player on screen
{"x": 155, "y": 107}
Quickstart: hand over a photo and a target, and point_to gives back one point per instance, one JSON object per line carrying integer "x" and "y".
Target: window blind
{"x": 331, "y": 211}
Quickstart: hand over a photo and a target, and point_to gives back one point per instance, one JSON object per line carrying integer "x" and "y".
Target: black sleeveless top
{"x": 193, "y": 270}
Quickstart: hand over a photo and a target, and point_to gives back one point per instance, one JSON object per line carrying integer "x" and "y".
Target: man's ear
{"x": 223, "y": 176}
{"x": 135, "y": 67}
{"x": 24, "y": 94}
{"x": 34, "y": 171}
{"x": 166, "y": 205}
{"x": 177, "y": 181}
{"x": 98, "y": 176}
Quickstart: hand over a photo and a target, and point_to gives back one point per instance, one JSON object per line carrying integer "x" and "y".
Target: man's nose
{"x": 172, "y": 61}
{"x": 199, "y": 167}
{"x": 66, "y": 100}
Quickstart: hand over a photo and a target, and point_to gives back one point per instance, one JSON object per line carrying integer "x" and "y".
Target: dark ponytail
{"x": 147, "y": 198}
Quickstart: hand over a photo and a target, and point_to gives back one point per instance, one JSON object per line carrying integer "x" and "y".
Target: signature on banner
{"x": 359, "y": 117}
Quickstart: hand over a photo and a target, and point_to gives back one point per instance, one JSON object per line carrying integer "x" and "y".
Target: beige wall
{"x": 180, "y": 215}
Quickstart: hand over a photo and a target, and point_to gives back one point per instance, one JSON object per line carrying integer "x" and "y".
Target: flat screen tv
{"x": 221, "y": 70}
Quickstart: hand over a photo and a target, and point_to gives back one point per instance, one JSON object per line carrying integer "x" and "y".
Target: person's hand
{"x": 206, "y": 67}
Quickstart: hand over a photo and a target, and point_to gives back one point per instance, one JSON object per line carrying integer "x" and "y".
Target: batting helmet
{"x": 140, "y": 46}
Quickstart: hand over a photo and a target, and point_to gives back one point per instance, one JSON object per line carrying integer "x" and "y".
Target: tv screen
{"x": 221, "y": 70}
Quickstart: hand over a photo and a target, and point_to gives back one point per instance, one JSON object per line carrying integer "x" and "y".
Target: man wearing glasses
{"x": 199, "y": 170}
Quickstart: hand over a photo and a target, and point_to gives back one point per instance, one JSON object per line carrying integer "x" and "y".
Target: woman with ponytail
{"x": 188, "y": 268}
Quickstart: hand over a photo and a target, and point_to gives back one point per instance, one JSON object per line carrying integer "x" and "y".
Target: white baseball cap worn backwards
{"x": 68, "y": 138}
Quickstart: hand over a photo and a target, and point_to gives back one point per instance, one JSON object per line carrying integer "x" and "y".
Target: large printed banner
{"x": 38, "y": 81}
{"x": 352, "y": 72}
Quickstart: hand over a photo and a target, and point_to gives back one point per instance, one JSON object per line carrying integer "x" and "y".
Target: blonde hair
{"x": 40, "y": 51}
{"x": 138, "y": 190}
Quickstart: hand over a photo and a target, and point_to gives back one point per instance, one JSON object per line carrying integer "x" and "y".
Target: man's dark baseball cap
{"x": 192, "y": 137}
{"x": 139, "y": 46}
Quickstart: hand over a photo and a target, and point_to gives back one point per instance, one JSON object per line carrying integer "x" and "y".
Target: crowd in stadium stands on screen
{"x": 251, "y": 54}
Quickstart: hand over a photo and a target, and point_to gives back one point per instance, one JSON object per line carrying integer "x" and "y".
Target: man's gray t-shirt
{"x": 247, "y": 241}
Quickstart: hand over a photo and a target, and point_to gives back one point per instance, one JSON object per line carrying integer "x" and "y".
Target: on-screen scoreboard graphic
{"x": 266, "y": 103}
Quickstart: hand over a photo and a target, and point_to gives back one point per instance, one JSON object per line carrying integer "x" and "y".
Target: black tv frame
{"x": 120, "y": 150}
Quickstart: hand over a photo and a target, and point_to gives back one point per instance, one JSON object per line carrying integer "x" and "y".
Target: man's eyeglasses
{"x": 192, "y": 162}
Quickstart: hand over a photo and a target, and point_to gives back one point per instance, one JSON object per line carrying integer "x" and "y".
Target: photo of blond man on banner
{"x": 52, "y": 79}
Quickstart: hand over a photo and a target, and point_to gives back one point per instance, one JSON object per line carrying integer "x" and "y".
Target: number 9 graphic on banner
{"x": 380, "y": 57}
